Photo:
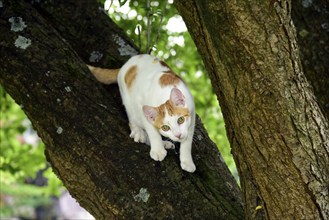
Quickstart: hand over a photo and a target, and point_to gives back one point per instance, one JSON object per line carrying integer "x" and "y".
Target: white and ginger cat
{"x": 157, "y": 102}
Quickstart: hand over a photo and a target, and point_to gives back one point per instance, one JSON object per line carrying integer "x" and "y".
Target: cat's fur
{"x": 155, "y": 98}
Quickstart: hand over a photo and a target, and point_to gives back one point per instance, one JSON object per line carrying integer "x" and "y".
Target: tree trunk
{"x": 311, "y": 19}
{"x": 43, "y": 49}
{"x": 279, "y": 136}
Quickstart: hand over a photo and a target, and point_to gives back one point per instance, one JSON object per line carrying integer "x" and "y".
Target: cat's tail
{"x": 106, "y": 76}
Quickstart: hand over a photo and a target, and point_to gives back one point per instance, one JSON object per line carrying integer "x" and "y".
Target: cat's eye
{"x": 165, "y": 128}
{"x": 180, "y": 120}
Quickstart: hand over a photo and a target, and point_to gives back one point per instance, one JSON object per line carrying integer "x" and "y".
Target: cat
{"x": 157, "y": 102}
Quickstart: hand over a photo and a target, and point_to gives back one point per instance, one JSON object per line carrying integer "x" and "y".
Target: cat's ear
{"x": 177, "y": 97}
{"x": 150, "y": 113}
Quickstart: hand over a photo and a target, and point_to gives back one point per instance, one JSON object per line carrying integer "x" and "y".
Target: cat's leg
{"x": 138, "y": 133}
{"x": 168, "y": 144}
{"x": 157, "y": 152}
{"x": 185, "y": 153}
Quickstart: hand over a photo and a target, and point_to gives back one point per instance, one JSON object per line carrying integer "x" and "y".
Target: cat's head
{"x": 172, "y": 118}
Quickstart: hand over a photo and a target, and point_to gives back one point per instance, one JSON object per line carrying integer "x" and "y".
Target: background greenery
{"x": 21, "y": 158}
{"x": 21, "y": 152}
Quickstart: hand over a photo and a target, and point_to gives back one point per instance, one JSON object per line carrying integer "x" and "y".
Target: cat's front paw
{"x": 168, "y": 145}
{"x": 188, "y": 166}
{"x": 139, "y": 135}
{"x": 158, "y": 155}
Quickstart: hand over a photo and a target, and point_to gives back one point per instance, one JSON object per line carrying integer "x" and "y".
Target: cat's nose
{"x": 179, "y": 135}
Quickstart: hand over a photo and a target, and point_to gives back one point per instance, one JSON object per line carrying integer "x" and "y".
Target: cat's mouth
{"x": 180, "y": 139}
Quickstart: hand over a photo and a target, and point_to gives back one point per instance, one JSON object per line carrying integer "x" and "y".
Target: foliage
{"x": 19, "y": 199}
{"x": 21, "y": 157}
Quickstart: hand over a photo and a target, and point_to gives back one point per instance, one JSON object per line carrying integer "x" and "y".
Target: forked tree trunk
{"x": 279, "y": 136}
{"x": 84, "y": 126}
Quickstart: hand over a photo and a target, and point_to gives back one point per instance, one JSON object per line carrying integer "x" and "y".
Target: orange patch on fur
{"x": 172, "y": 110}
{"x": 130, "y": 76}
{"x": 169, "y": 78}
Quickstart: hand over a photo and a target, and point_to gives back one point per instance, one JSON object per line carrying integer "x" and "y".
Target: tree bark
{"x": 278, "y": 134}
{"x": 312, "y": 26}
{"x": 84, "y": 125}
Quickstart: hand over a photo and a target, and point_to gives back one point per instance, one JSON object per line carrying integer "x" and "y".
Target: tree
{"x": 311, "y": 21}
{"x": 278, "y": 134}
{"x": 45, "y": 46}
